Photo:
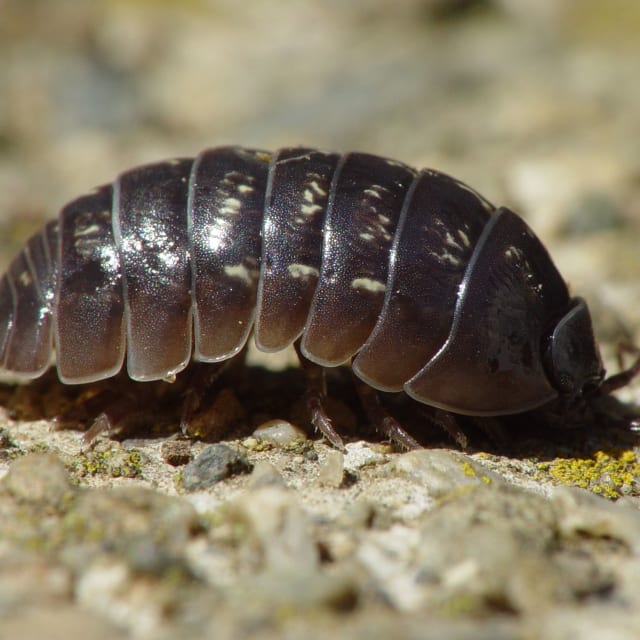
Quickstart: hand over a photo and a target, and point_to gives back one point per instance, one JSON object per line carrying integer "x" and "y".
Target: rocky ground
{"x": 271, "y": 533}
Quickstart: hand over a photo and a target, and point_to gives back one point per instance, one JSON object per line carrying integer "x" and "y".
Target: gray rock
{"x": 217, "y": 462}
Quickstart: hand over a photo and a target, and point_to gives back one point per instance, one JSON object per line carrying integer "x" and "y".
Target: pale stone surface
{"x": 535, "y": 104}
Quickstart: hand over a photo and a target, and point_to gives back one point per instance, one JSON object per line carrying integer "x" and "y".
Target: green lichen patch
{"x": 109, "y": 460}
{"x": 609, "y": 474}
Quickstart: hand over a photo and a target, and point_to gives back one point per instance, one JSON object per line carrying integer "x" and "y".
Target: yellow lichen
{"x": 610, "y": 474}
{"x": 468, "y": 470}
{"x": 113, "y": 461}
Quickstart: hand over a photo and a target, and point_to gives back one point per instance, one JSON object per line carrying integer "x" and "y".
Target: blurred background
{"x": 535, "y": 103}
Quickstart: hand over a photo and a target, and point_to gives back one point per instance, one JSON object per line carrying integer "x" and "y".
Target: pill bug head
{"x": 570, "y": 355}
{"x": 518, "y": 341}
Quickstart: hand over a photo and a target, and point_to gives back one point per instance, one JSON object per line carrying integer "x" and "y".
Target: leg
{"x": 110, "y": 411}
{"x": 113, "y": 416}
{"x": 625, "y": 347}
{"x": 200, "y": 383}
{"x": 381, "y": 420}
{"x": 209, "y": 412}
{"x": 623, "y": 378}
{"x": 449, "y": 423}
{"x": 315, "y": 393}
{"x": 107, "y": 409}
{"x": 495, "y": 430}
{"x": 85, "y": 408}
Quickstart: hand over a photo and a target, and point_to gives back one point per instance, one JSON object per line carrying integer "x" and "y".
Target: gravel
{"x": 271, "y": 533}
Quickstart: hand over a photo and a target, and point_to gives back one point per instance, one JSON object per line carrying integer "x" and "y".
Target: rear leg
{"x": 447, "y": 422}
{"x": 383, "y": 422}
{"x": 315, "y": 396}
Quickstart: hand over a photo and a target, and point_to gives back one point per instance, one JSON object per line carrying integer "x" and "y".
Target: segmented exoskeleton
{"x": 411, "y": 275}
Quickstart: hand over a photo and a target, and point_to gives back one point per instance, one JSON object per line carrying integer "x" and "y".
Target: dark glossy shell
{"x": 412, "y": 274}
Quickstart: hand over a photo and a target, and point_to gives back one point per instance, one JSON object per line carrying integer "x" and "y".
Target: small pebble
{"x": 217, "y": 462}
{"x": 279, "y": 433}
{"x": 311, "y": 455}
{"x": 363, "y": 454}
{"x": 176, "y": 452}
{"x": 250, "y": 443}
{"x": 331, "y": 470}
{"x": 266, "y": 475}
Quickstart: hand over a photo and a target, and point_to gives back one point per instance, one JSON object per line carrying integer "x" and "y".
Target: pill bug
{"x": 411, "y": 276}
